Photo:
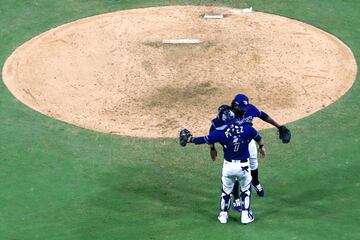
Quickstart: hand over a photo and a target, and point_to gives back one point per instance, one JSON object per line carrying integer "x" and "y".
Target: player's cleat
{"x": 223, "y": 217}
{"x": 247, "y": 216}
{"x": 259, "y": 190}
{"x": 237, "y": 205}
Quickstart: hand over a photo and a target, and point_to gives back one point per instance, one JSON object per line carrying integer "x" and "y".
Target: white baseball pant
{"x": 253, "y": 155}
{"x": 232, "y": 171}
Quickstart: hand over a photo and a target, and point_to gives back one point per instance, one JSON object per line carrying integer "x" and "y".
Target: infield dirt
{"x": 110, "y": 72}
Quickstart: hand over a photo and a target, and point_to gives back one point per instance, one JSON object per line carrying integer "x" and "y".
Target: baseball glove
{"x": 184, "y": 137}
{"x": 284, "y": 134}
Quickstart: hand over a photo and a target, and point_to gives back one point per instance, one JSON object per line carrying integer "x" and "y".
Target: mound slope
{"x": 111, "y": 73}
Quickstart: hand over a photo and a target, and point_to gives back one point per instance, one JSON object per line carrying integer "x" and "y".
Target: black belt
{"x": 242, "y": 161}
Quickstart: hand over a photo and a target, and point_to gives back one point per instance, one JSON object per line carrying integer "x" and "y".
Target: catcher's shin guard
{"x": 224, "y": 201}
{"x": 245, "y": 199}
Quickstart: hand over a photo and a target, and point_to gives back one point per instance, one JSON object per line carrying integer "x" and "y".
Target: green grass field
{"x": 58, "y": 181}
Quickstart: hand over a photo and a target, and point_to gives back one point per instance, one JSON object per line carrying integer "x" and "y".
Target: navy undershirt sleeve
{"x": 263, "y": 116}
{"x": 257, "y": 138}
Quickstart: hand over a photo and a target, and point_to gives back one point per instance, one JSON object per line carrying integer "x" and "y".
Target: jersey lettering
{"x": 228, "y": 133}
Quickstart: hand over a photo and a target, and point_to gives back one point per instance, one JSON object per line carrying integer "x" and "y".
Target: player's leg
{"x": 227, "y": 180}
{"x": 235, "y": 191}
{"x": 227, "y": 186}
{"x": 245, "y": 195}
{"x": 254, "y": 169}
{"x": 237, "y": 200}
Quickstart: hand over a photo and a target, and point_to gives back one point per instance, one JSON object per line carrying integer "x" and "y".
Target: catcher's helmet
{"x": 240, "y": 102}
{"x": 225, "y": 113}
{"x": 223, "y": 107}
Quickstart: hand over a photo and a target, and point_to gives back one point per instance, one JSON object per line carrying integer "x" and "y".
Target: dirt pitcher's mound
{"x": 113, "y": 73}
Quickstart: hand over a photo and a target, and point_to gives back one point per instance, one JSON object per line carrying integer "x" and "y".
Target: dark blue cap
{"x": 241, "y": 100}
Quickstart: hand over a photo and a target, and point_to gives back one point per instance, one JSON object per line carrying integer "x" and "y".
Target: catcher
{"x": 235, "y": 137}
{"x": 246, "y": 112}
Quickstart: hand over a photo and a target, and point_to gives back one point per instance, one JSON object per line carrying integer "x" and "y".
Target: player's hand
{"x": 213, "y": 153}
{"x": 262, "y": 151}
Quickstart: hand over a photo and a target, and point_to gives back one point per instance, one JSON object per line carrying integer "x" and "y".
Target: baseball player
{"x": 246, "y": 112}
{"x": 235, "y": 137}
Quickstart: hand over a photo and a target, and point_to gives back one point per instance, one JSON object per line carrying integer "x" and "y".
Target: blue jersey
{"x": 249, "y": 115}
{"x": 234, "y": 137}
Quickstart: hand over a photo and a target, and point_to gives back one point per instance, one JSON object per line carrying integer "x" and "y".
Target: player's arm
{"x": 210, "y": 139}
{"x": 213, "y": 152}
{"x": 212, "y": 146}
{"x": 260, "y": 141}
{"x": 284, "y": 132}
{"x": 265, "y": 117}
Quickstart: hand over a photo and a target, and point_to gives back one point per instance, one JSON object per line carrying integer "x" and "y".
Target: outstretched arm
{"x": 284, "y": 132}
{"x": 186, "y": 137}
{"x": 265, "y": 117}
{"x": 201, "y": 140}
{"x": 212, "y": 138}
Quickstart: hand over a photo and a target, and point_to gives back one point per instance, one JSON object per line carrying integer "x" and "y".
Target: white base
{"x": 242, "y": 11}
{"x": 210, "y": 16}
{"x": 181, "y": 41}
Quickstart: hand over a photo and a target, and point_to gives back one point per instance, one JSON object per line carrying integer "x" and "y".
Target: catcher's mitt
{"x": 184, "y": 137}
{"x": 284, "y": 134}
